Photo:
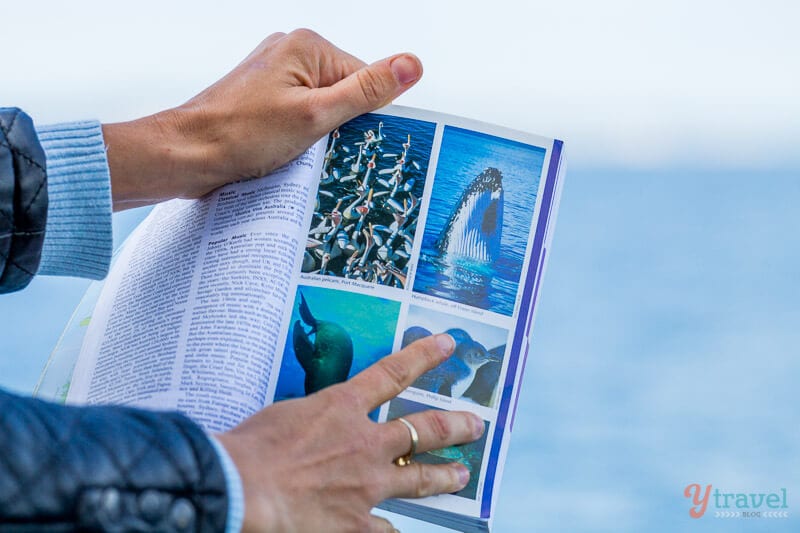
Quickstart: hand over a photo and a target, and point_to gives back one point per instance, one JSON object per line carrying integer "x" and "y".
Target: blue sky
{"x": 666, "y": 345}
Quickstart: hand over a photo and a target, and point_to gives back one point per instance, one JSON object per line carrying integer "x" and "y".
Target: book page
{"x": 408, "y": 223}
{"x": 426, "y": 223}
{"x": 191, "y": 314}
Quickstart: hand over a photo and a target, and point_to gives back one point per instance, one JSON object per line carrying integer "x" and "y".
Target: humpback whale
{"x": 475, "y": 226}
{"x": 328, "y": 358}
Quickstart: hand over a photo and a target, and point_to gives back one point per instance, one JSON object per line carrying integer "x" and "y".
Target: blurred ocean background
{"x": 666, "y": 349}
{"x": 665, "y": 352}
{"x": 463, "y": 156}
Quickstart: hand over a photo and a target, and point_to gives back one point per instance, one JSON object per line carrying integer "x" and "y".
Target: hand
{"x": 288, "y": 93}
{"x": 320, "y": 464}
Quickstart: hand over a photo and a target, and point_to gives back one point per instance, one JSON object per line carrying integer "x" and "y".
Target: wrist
{"x": 260, "y": 503}
{"x": 156, "y": 158}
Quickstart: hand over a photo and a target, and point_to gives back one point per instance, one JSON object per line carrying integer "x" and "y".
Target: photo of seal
{"x": 332, "y": 336}
{"x": 327, "y": 358}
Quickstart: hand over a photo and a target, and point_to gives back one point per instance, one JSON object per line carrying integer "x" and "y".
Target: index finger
{"x": 394, "y": 373}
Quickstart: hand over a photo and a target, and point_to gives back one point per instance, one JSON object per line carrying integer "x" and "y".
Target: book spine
{"x": 524, "y": 323}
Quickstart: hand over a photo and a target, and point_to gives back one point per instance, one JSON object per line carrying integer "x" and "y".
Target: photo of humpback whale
{"x": 332, "y": 336}
{"x": 479, "y": 219}
{"x": 475, "y": 227}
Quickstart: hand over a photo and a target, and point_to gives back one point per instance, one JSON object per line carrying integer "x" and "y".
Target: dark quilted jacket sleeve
{"x": 23, "y": 199}
{"x": 66, "y": 468}
{"x": 90, "y": 468}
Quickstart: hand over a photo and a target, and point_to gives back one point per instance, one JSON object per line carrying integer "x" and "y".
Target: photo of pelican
{"x": 369, "y": 197}
{"x": 479, "y": 219}
{"x": 472, "y": 373}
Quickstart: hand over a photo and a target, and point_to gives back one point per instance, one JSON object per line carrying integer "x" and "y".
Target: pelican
{"x": 379, "y": 137}
{"x": 329, "y": 155}
{"x": 370, "y": 166}
{"x": 368, "y": 247}
{"x": 348, "y": 211}
{"x": 356, "y": 167}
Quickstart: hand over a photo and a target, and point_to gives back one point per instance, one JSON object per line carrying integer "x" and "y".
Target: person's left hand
{"x": 287, "y": 94}
{"x": 319, "y": 463}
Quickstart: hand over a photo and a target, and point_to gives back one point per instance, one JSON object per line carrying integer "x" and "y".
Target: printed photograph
{"x": 333, "y": 335}
{"x": 480, "y": 214}
{"x": 469, "y": 455}
{"x": 472, "y": 373}
{"x": 365, "y": 216}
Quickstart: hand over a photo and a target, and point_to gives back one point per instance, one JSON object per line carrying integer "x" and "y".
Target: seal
{"x": 327, "y": 358}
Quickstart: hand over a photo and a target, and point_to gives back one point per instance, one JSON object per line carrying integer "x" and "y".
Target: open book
{"x": 399, "y": 224}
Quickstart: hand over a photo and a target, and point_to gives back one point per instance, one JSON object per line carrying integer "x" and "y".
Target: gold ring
{"x": 405, "y": 460}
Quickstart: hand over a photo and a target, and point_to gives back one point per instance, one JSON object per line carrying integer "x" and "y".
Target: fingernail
{"x": 446, "y": 343}
{"x": 406, "y": 69}
{"x": 478, "y": 427}
{"x": 463, "y": 476}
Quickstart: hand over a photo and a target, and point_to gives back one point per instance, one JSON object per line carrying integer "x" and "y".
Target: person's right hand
{"x": 288, "y": 93}
{"x": 320, "y": 464}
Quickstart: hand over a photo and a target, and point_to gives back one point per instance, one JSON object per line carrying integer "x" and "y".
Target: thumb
{"x": 370, "y": 87}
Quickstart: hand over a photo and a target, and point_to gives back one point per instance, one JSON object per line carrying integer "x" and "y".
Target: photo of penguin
{"x": 469, "y": 455}
{"x": 472, "y": 373}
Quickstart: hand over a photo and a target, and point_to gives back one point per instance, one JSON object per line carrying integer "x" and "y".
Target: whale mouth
{"x": 474, "y": 229}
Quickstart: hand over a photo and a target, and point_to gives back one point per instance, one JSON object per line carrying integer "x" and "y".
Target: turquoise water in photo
{"x": 371, "y": 323}
{"x": 463, "y": 156}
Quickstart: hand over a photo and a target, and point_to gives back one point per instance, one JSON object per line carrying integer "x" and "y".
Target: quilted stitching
{"x": 65, "y": 468}
{"x": 23, "y": 207}
{"x": 17, "y": 153}
{"x": 87, "y": 468}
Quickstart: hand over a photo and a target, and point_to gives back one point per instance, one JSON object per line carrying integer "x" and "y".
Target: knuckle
{"x": 425, "y": 481}
{"x": 310, "y": 113}
{"x": 372, "y": 86}
{"x": 440, "y": 426}
{"x": 341, "y": 398}
{"x": 304, "y": 35}
{"x": 394, "y": 373}
{"x": 360, "y": 444}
